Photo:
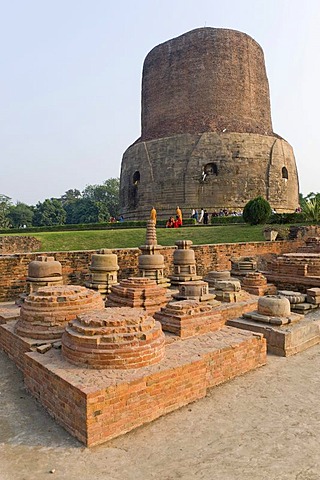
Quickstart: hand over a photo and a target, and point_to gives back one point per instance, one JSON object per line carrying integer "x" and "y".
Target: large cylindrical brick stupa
{"x": 206, "y": 137}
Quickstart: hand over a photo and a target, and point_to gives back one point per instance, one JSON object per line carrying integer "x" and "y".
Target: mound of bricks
{"x": 138, "y": 292}
{"x": 119, "y": 338}
{"x": 45, "y": 313}
{"x": 256, "y": 284}
{"x": 189, "y": 317}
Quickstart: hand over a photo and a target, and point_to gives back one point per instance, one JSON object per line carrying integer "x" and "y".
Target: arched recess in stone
{"x": 210, "y": 169}
{"x": 136, "y": 178}
{"x": 285, "y": 173}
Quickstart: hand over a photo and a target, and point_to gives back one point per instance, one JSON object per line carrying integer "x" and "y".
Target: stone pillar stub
{"x": 103, "y": 271}
{"x": 151, "y": 262}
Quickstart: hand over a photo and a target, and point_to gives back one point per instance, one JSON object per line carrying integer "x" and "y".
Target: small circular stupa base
{"x": 45, "y": 313}
{"x": 116, "y": 338}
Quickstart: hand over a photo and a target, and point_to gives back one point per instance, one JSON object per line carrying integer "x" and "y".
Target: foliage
{"x": 311, "y": 209}
{"x": 20, "y": 215}
{"x": 82, "y": 210}
{"x": 105, "y": 197}
{"x": 49, "y": 212}
{"x": 5, "y": 204}
{"x": 70, "y": 196}
{"x": 226, "y": 220}
{"x": 285, "y": 218}
{"x": 257, "y": 211}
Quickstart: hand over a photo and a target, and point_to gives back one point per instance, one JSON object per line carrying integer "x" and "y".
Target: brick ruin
{"x": 206, "y": 138}
{"x": 152, "y": 368}
{"x": 149, "y": 352}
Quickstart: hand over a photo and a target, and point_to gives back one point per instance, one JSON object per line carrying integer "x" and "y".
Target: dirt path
{"x": 264, "y": 425}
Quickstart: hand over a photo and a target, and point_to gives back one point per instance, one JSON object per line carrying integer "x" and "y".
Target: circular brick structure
{"x": 229, "y": 88}
{"x": 120, "y": 338}
{"x": 206, "y": 120}
{"x": 45, "y": 313}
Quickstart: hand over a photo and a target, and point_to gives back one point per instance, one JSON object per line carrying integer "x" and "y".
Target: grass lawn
{"x": 126, "y": 238}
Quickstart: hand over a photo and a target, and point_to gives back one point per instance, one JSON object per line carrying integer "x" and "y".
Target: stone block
{"x": 287, "y": 340}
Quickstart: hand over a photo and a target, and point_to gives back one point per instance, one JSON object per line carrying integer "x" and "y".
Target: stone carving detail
{"x": 42, "y": 272}
{"x": 273, "y": 309}
{"x": 45, "y": 313}
{"x": 243, "y": 265}
{"x": 184, "y": 263}
{"x": 119, "y": 338}
{"x": 197, "y": 290}
{"x": 151, "y": 262}
{"x": 103, "y": 268}
{"x": 214, "y": 276}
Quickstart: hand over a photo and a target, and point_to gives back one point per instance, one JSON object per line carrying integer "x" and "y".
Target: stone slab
{"x": 15, "y": 346}
{"x": 9, "y": 311}
{"x": 287, "y": 340}
{"x": 96, "y": 406}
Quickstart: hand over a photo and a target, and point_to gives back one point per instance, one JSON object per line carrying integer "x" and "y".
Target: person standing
{"x": 153, "y": 215}
{"x": 179, "y": 214}
{"x": 205, "y": 217}
{"x": 201, "y": 215}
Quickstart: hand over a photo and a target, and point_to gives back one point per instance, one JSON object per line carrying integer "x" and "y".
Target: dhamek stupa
{"x": 206, "y": 130}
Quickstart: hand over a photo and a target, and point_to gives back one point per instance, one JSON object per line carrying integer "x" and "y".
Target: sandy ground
{"x": 263, "y": 425}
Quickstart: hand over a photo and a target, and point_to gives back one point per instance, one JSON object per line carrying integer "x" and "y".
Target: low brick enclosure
{"x": 19, "y": 243}
{"x": 98, "y": 405}
{"x": 75, "y": 265}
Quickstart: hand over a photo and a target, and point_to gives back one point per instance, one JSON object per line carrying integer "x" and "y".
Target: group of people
{"x": 175, "y": 222}
{"x": 172, "y": 222}
{"x": 203, "y": 217}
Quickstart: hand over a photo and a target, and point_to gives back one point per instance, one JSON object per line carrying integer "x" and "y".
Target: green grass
{"x": 95, "y": 239}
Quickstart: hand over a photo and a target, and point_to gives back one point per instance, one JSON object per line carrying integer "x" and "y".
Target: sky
{"x": 70, "y": 83}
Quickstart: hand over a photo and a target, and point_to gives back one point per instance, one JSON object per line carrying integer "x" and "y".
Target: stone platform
{"x": 15, "y": 346}
{"x": 98, "y": 405}
{"x": 284, "y": 340}
{"x": 8, "y": 311}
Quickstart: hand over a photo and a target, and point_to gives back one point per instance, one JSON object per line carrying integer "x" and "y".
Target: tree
{"x": 106, "y": 198}
{"x": 82, "y": 210}
{"x": 20, "y": 215}
{"x": 311, "y": 208}
{"x": 49, "y": 212}
{"x": 5, "y": 203}
{"x": 70, "y": 196}
{"x": 256, "y": 211}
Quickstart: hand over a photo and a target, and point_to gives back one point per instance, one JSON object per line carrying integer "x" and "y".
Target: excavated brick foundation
{"x": 98, "y": 405}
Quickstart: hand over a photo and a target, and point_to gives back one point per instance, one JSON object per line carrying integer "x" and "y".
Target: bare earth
{"x": 264, "y": 425}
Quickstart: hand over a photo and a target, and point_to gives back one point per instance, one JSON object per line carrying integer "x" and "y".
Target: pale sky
{"x": 70, "y": 82}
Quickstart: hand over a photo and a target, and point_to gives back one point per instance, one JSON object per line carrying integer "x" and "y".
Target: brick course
{"x": 98, "y": 406}
{"x": 75, "y": 265}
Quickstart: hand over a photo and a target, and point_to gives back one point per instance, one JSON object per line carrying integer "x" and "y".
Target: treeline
{"x": 96, "y": 203}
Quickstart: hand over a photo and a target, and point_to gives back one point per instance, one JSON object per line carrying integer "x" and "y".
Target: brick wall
{"x": 96, "y": 406}
{"x": 75, "y": 265}
{"x": 223, "y": 71}
{"x": 18, "y": 243}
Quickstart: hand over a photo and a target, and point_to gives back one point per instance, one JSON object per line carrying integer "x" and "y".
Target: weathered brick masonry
{"x": 96, "y": 406}
{"x": 206, "y": 121}
{"x": 75, "y": 265}
{"x": 19, "y": 243}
